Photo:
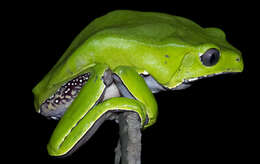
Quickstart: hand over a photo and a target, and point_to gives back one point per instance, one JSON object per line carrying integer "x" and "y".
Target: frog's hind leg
{"x": 96, "y": 102}
{"x": 90, "y": 95}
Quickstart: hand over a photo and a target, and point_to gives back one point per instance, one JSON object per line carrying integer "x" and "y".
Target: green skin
{"x": 130, "y": 43}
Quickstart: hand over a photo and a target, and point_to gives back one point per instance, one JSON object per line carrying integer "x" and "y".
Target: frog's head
{"x": 211, "y": 55}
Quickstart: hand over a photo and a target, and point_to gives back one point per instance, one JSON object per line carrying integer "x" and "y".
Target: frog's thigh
{"x": 90, "y": 94}
{"x": 132, "y": 85}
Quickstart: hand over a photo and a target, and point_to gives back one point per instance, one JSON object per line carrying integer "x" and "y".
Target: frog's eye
{"x": 210, "y": 57}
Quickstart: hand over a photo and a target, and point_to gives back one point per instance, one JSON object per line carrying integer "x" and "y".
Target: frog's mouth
{"x": 155, "y": 86}
{"x": 188, "y": 82}
{"x": 55, "y": 106}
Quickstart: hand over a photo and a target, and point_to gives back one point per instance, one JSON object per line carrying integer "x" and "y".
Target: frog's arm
{"x": 132, "y": 85}
{"x": 84, "y": 115}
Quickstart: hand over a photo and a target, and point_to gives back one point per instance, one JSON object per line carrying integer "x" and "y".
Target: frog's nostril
{"x": 238, "y": 59}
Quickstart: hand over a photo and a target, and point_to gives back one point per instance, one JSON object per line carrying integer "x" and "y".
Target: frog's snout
{"x": 238, "y": 64}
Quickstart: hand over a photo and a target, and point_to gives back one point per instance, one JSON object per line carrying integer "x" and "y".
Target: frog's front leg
{"x": 89, "y": 110}
{"x": 132, "y": 85}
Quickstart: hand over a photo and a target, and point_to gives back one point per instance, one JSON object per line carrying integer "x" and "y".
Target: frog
{"x": 118, "y": 62}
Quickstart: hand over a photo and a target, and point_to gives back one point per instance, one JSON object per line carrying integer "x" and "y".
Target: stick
{"x": 128, "y": 150}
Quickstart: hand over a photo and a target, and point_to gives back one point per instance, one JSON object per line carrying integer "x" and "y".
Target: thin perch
{"x": 128, "y": 150}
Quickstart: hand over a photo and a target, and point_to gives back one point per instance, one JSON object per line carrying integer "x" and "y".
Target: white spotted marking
{"x": 68, "y": 89}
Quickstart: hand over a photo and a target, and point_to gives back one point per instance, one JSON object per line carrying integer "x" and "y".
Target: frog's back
{"x": 147, "y": 28}
{"x": 151, "y": 26}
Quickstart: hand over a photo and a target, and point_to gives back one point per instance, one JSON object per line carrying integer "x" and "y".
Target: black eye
{"x": 210, "y": 57}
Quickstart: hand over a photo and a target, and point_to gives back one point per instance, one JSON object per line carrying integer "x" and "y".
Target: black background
{"x": 208, "y": 122}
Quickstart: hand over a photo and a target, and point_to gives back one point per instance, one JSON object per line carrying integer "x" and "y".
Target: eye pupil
{"x": 210, "y": 57}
